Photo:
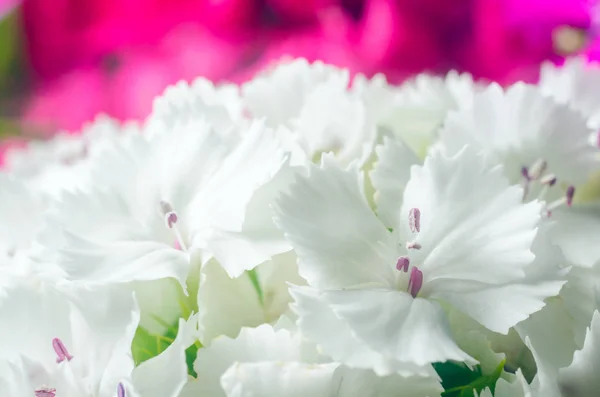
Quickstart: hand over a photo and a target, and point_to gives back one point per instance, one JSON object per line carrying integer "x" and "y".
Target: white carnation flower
{"x": 449, "y": 243}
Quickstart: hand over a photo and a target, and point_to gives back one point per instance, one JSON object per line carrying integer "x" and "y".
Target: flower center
{"x": 415, "y": 281}
{"x": 61, "y": 351}
{"x": 171, "y": 219}
{"x": 536, "y": 176}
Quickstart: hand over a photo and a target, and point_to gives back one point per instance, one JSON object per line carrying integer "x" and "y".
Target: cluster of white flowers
{"x": 308, "y": 234}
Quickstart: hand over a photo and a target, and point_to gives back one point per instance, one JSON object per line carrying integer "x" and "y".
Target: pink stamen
{"x": 120, "y": 390}
{"x": 403, "y": 264}
{"x": 413, "y": 245}
{"x": 45, "y": 392}
{"x": 415, "y": 282}
{"x": 169, "y": 213}
{"x": 61, "y": 351}
{"x": 414, "y": 220}
{"x": 525, "y": 173}
{"x": 570, "y": 194}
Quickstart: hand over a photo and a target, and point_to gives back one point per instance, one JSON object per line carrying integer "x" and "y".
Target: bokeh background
{"x": 64, "y": 61}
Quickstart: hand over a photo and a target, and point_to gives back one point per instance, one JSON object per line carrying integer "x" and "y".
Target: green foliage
{"x": 460, "y": 381}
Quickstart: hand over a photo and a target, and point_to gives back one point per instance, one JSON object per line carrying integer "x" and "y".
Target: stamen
{"x": 413, "y": 245}
{"x": 547, "y": 182}
{"x": 170, "y": 215}
{"x": 61, "y": 351}
{"x": 525, "y": 173}
{"x": 415, "y": 282}
{"x": 548, "y": 179}
{"x": 171, "y": 222}
{"x": 120, "y": 390}
{"x": 45, "y": 392}
{"x": 403, "y": 264}
{"x": 414, "y": 220}
{"x": 537, "y": 169}
{"x": 570, "y": 194}
{"x": 567, "y": 199}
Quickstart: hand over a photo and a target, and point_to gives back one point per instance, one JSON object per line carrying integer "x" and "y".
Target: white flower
{"x": 82, "y": 347}
{"x": 575, "y": 83}
{"x": 315, "y": 110}
{"x": 181, "y": 103}
{"x": 419, "y": 107}
{"x": 62, "y": 162}
{"x": 542, "y": 145}
{"x": 279, "y": 95}
{"x": 450, "y": 244}
{"x": 162, "y": 202}
{"x": 268, "y": 362}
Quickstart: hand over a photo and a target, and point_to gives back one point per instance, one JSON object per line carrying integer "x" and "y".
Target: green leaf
{"x": 460, "y": 381}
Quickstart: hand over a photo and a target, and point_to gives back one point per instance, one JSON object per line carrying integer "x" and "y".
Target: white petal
{"x": 318, "y": 322}
{"x": 397, "y": 325}
{"x": 279, "y": 94}
{"x": 581, "y": 377}
{"x": 361, "y": 383}
{"x": 521, "y": 126}
{"x": 166, "y": 374}
{"x": 278, "y": 379}
{"x": 332, "y": 119}
{"x": 338, "y": 239}
{"x": 390, "y": 176}
{"x": 259, "y": 239}
{"x": 577, "y": 231}
{"x": 226, "y": 304}
{"x": 579, "y": 296}
{"x": 100, "y": 243}
{"x": 222, "y": 204}
{"x": 500, "y": 307}
{"x": 478, "y": 235}
{"x": 252, "y": 345}
{"x": 519, "y": 388}
{"x": 25, "y": 309}
{"x": 200, "y": 99}
{"x": 549, "y": 336}
{"x": 576, "y": 83}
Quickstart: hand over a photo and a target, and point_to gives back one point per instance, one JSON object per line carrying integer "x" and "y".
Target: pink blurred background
{"x": 67, "y": 60}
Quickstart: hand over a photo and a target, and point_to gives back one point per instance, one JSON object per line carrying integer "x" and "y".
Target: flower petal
{"x": 481, "y": 235}
{"x": 338, "y": 239}
{"x": 278, "y": 379}
{"x": 318, "y": 322}
{"x": 577, "y": 231}
{"x": 166, "y": 374}
{"x": 581, "y": 377}
{"x": 390, "y": 176}
{"x": 396, "y": 324}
